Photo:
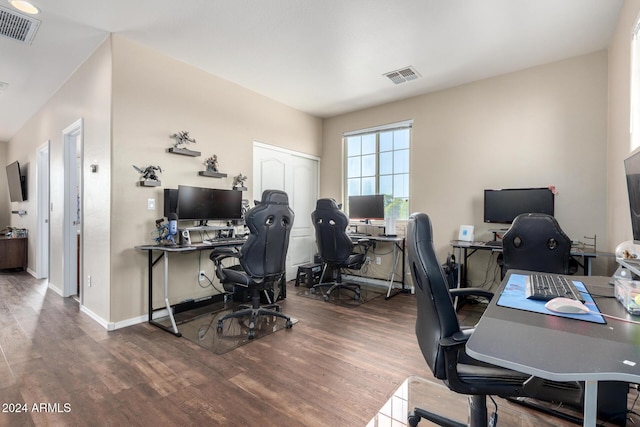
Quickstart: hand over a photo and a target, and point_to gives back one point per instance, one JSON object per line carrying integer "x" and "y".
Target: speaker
{"x": 185, "y": 237}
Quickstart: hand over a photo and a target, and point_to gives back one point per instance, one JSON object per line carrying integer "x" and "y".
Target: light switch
{"x": 151, "y": 204}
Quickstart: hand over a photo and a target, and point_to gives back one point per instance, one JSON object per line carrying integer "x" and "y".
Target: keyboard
{"x": 546, "y": 287}
{"x": 225, "y": 241}
{"x": 494, "y": 243}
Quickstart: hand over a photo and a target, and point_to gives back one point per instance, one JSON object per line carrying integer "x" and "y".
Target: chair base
{"x": 337, "y": 285}
{"x": 254, "y": 312}
{"x": 477, "y": 415}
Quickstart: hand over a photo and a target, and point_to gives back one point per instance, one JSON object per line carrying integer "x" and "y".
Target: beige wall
{"x": 534, "y": 128}
{"x": 86, "y": 95}
{"x": 619, "y": 222}
{"x": 153, "y": 97}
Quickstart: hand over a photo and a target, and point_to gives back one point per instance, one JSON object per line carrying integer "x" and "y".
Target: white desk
{"x": 562, "y": 349}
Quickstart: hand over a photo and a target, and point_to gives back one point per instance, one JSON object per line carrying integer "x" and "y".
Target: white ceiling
{"x": 324, "y": 57}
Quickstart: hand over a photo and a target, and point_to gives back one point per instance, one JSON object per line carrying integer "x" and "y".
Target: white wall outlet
{"x": 201, "y": 276}
{"x": 378, "y": 260}
{"x": 151, "y": 204}
{"x": 89, "y": 280}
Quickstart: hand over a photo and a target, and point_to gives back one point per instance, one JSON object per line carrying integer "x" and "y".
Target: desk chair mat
{"x": 200, "y": 327}
{"x": 344, "y": 297}
{"x": 513, "y": 296}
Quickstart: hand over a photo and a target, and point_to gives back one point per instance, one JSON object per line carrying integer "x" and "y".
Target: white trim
{"x": 55, "y": 289}
{"x": 285, "y": 150}
{"x": 391, "y": 126}
{"x": 98, "y": 319}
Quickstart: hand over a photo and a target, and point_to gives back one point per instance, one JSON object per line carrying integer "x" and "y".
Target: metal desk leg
{"x": 393, "y": 271}
{"x": 590, "y": 403}
{"x": 587, "y": 265}
{"x": 166, "y": 293}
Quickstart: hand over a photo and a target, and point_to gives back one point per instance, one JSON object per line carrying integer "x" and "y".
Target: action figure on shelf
{"x": 212, "y": 164}
{"x": 148, "y": 173}
{"x": 238, "y": 181}
{"x": 181, "y": 138}
{"x": 166, "y": 233}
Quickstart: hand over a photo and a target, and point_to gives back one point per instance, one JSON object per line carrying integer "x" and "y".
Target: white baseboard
{"x": 95, "y": 317}
{"x": 55, "y": 289}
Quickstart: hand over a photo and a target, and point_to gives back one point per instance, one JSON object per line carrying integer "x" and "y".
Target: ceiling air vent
{"x": 17, "y": 26}
{"x": 402, "y": 75}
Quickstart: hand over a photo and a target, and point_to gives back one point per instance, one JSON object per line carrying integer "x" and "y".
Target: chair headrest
{"x": 326, "y": 204}
{"x": 274, "y": 197}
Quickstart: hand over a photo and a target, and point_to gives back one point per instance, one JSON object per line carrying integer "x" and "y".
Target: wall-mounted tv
{"x": 17, "y": 183}
{"x": 503, "y": 206}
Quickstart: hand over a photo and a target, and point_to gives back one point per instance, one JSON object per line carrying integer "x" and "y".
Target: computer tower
{"x": 170, "y": 201}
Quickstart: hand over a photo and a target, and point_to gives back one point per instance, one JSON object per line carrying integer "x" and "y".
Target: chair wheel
{"x": 357, "y": 296}
{"x": 326, "y": 297}
{"x": 219, "y": 327}
{"x": 251, "y": 335}
{"x": 413, "y": 419}
{"x": 288, "y": 324}
{"x": 312, "y": 291}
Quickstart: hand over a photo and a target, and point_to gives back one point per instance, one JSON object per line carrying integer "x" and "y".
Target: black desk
{"x": 164, "y": 254}
{"x": 466, "y": 249}
{"x": 399, "y": 255}
{"x": 562, "y": 349}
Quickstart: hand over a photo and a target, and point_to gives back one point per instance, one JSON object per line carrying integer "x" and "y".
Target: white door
{"x": 296, "y": 174}
{"x": 72, "y": 140}
{"x": 42, "y": 261}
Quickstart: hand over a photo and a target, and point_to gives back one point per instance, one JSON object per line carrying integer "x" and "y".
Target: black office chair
{"x": 261, "y": 258}
{"x": 442, "y": 340}
{"x": 335, "y": 247}
{"x": 535, "y": 242}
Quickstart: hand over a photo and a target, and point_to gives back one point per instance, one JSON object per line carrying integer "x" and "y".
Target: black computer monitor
{"x": 203, "y": 204}
{"x": 366, "y": 207}
{"x": 503, "y": 206}
{"x": 632, "y": 171}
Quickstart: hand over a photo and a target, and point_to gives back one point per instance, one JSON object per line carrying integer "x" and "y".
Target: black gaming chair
{"x": 535, "y": 242}
{"x": 442, "y": 340}
{"x": 336, "y": 247}
{"x": 261, "y": 258}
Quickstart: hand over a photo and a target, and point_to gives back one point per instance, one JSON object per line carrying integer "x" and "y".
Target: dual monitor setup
{"x": 203, "y": 204}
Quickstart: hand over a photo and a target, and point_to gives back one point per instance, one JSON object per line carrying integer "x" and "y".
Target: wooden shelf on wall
{"x": 149, "y": 183}
{"x": 212, "y": 174}
{"x": 184, "y": 152}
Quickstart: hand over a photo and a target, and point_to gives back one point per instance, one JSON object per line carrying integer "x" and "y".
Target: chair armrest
{"x": 219, "y": 254}
{"x": 462, "y": 292}
{"x": 457, "y": 339}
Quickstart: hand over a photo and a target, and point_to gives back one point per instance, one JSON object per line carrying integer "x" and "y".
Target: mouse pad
{"x": 513, "y": 296}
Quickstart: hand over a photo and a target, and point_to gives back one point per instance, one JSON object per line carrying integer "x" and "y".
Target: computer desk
{"x": 165, "y": 250}
{"x": 562, "y": 349}
{"x": 399, "y": 255}
{"x": 465, "y": 249}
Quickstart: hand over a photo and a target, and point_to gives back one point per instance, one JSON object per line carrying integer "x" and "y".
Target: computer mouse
{"x": 567, "y": 306}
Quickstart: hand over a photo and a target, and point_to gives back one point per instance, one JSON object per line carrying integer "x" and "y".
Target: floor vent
{"x": 402, "y": 75}
{"x": 17, "y": 26}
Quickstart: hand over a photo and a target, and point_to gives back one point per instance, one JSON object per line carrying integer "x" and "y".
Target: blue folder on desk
{"x": 513, "y": 296}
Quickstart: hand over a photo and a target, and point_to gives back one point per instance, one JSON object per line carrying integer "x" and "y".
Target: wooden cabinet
{"x": 13, "y": 253}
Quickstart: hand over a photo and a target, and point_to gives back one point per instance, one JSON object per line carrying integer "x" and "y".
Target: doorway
{"x": 296, "y": 174}
{"x": 72, "y": 227}
{"x": 42, "y": 263}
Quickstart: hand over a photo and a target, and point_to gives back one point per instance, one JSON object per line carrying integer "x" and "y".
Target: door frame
{"x": 43, "y": 206}
{"x": 71, "y": 182}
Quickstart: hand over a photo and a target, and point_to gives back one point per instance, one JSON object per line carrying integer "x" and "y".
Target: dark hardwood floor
{"x": 336, "y": 367}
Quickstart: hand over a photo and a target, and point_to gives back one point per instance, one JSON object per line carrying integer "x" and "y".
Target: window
{"x": 634, "y": 127}
{"x": 377, "y": 162}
